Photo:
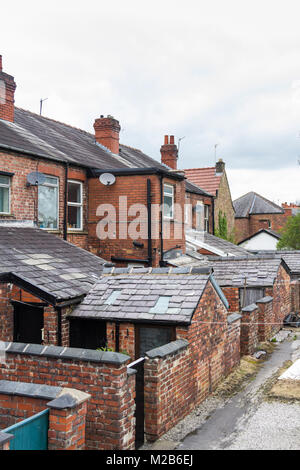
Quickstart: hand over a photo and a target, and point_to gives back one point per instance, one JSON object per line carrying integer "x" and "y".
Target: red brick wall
{"x": 6, "y": 313}
{"x": 66, "y": 426}
{"x": 266, "y": 318}
{"x": 24, "y": 199}
{"x": 7, "y": 107}
{"x": 232, "y": 295}
{"x": 110, "y": 415}
{"x": 135, "y": 188}
{"x": 295, "y": 296}
{"x": 281, "y": 293}
{"x": 249, "y": 226}
{"x": 174, "y": 385}
{"x": 249, "y": 331}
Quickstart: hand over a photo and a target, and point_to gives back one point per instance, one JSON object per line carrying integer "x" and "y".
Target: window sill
{"x": 77, "y": 232}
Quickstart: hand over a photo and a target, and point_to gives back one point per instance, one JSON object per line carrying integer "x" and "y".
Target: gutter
{"x": 94, "y": 172}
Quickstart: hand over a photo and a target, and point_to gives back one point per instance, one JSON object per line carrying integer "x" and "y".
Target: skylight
{"x": 113, "y": 297}
{"x": 161, "y": 305}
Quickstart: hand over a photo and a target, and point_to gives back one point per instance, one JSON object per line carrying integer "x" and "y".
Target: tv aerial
{"x": 107, "y": 179}
{"x": 35, "y": 178}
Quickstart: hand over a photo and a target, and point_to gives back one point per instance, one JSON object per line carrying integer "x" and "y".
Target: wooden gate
{"x": 138, "y": 365}
{"x": 31, "y": 433}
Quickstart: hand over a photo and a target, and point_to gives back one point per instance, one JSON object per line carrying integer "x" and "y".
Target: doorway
{"x": 28, "y": 322}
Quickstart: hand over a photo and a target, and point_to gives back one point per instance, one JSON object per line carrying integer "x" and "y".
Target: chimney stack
{"x": 220, "y": 166}
{"x": 169, "y": 152}
{"x": 107, "y": 130}
{"x": 7, "y": 95}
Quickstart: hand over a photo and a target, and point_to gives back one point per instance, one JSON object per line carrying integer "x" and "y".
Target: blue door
{"x": 31, "y": 433}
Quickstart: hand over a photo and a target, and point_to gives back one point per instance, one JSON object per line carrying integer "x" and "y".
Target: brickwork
{"x": 110, "y": 413}
{"x": 174, "y": 385}
{"x": 295, "y": 296}
{"x": 232, "y": 295}
{"x": 135, "y": 188}
{"x": 6, "y": 313}
{"x": 7, "y": 99}
{"x": 249, "y": 329}
{"x": 126, "y": 338}
{"x": 192, "y": 199}
{"x": 24, "y": 199}
{"x": 247, "y": 226}
{"x": 66, "y": 426}
{"x": 266, "y": 319}
{"x": 281, "y": 293}
{"x": 223, "y": 203}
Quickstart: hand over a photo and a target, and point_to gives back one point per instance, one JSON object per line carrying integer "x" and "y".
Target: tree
{"x": 290, "y": 234}
{"x": 222, "y": 229}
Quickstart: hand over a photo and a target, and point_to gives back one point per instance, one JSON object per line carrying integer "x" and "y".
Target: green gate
{"x": 31, "y": 433}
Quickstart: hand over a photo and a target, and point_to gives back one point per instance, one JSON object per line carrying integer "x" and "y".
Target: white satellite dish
{"x": 107, "y": 179}
{"x": 35, "y": 178}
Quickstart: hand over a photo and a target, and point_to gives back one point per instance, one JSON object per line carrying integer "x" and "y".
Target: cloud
{"x": 214, "y": 72}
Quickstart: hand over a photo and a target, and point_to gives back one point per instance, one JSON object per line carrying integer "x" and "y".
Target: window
{"x": 74, "y": 205}
{"x": 48, "y": 204}
{"x": 4, "y": 194}
{"x": 206, "y": 218}
{"x": 265, "y": 222}
{"x": 112, "y": 297}
{"x": 161, "y": 305}
{"x": 168, "y": 201}
{"x": 199, "y": 216}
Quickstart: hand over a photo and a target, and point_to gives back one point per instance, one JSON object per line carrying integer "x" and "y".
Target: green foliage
{"x": 104, "y": 348}
{"x": 222, "y": 229}
{"x": 290, "y": 234}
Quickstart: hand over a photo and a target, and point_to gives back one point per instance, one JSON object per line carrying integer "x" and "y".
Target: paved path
{"x": 246, "y": 422}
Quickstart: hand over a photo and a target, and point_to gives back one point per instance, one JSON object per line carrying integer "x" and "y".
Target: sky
{"x": 225, "y": 73}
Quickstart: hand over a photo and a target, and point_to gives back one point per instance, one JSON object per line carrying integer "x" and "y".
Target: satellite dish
{"x": 35, "y": 178}
{"x": 107, "y": 179}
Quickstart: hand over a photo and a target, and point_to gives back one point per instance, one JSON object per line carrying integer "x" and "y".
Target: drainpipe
{"x": 213, "y": 214}
{"x": 149, "y": 222}
{"x": 66, "y": 202}
{"x": 161, "y": 223}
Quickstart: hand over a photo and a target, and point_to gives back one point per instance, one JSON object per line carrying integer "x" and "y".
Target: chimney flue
{"x": 7, "y": 95}
{"x": 169, "y": 152}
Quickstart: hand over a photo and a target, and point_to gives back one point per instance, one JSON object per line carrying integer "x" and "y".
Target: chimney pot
{"x": 169, "y": 152}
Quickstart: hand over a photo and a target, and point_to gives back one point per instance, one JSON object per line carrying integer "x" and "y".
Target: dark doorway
{"x": 87, "y": 334}
{"x": 150, "y": 337}
{"x": 28, "y": 323}
{"x": 138, "y": 366}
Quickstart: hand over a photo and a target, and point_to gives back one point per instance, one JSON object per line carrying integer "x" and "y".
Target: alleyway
{"x": 247, "y": 421}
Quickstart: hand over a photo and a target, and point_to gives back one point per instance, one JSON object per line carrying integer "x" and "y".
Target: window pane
{"x": 74, "y": 192}
{"x": 48, "y": 207}
{"x": 168, "y": 189}
{"x": 51, "y": 180}
{"x": 74, "y": 217}
{"x": 4, "y": 180}
{"x": 4, "y": 200}
{"x": 168, "y": 206}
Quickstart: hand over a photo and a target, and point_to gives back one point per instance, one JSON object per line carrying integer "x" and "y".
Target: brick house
{"x": 41, "y": 278}
{"x": 177, "y": 319}
{"x": 215, "y": 181}
{"x": 66, "y": 202}
{"x": 253, "y": 213}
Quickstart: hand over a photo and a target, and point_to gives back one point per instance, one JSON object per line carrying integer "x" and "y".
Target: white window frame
{"x": 52, "y": 186}
{"x": 7, "y": 186}
{"x": 206, "y": 218}
{"x": 171, "y": 217}
{"x": 77, "y": 204}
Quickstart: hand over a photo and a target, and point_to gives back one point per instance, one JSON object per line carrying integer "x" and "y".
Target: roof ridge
{"x": 268, "y": 201}
{"x": 202, "y": 168}
{"x": 54, "y": 120}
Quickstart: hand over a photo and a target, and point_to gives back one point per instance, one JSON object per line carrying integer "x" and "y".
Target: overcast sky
{"x": 217, "y": 72}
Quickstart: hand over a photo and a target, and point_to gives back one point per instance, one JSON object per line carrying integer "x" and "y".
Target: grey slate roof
{"x": 139, "y": 292}
{"x": 253, "y": 203}
{"x": 258, "y": 271}
{"x": 291, "y": 258}
{"x": 194, "y": 237}
{"x": 60, "y": 270}
{"x": 58, "y": 141}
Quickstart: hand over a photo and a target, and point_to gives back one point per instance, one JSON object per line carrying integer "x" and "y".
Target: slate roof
{"x": 196, "y": 240}
{"x": 291, "y": 258}
{"x": 51, "y": 139}
{"x": 193, "y": 188}
{"x": 205, "y": 178}
{"x": 140, "y": 290}
{"x": 253, "y": 203}
{"x": 259, "y": 271}
{"x": 50, "y": 266}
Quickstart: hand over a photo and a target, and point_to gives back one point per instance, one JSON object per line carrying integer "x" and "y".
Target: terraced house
{"x": 65, "y": 199}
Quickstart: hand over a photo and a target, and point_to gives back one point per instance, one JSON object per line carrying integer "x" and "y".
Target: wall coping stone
{"x": 26, "y": 389}
{"x": 264, "y": 300}
{"x": 233, "y": 317}
{"x": 69, "y": 398}
{"x": 170, "y": 348}
{"x": 59, "y": 352}
{"x": 5, "y": 437}
{"x": 249, "y": 308}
